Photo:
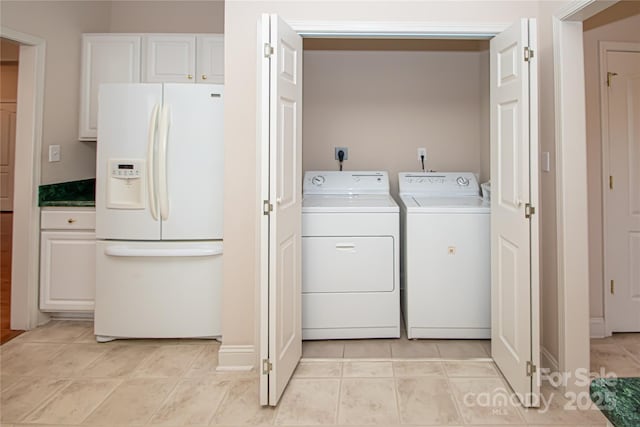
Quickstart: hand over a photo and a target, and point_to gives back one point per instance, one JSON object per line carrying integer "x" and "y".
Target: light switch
{"x": 546, "y": 163}
{"x": 54, "y": 153}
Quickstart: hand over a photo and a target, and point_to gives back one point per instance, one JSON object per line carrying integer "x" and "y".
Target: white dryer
{"x": 350, "y": 256}
{"x": 446, "y": 262}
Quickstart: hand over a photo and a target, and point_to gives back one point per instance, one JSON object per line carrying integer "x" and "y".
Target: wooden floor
{"x": 6, "y": 228}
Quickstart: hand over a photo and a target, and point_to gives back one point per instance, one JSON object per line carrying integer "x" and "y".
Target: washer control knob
{"x": 317, "y": 180}
{"x": 462, "y": 181}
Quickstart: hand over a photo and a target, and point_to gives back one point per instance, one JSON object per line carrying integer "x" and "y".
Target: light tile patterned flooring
{"x": 58, "y": 375}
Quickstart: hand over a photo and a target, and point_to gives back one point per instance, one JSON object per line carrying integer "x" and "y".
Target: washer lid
{"x": 350, "y": 182}
{"x": 365, "y": 203}
{"x": 428, "y": 204}
{"x": 439, "y": 184}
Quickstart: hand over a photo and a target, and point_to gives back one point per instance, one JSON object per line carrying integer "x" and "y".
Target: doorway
{"x": 384, "y": 99}
{"x": 25, "y": 313}
{"x": 514, "y": 241}
{"x": 620, "y": 106}
{"x": 8, "y": 106}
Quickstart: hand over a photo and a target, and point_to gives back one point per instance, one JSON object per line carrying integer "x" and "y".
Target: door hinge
{"x": 268, "y": 50}
{"x": 613, "y": 287}
{"x": 609, "y": 75}
{"x": 610, "y": 182}
{"x": 528, "y": 54}
{"x": 267, "y": 367}
{"x": 266, "y": 207}
{"x": 531, "y": 368}
{"x": 529, "y": 210}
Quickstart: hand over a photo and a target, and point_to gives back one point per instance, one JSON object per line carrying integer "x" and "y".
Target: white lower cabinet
{"x": 67, "y": 260}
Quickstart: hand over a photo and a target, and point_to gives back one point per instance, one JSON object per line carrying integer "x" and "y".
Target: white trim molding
{"x": 547, "y": 360}
{"x": 236, "y": 358}
{"x": 26, "y": 219}
{"x": 580, "y": 10}
{"x": 405, "y": 30}
{"x": 597, "y": 327}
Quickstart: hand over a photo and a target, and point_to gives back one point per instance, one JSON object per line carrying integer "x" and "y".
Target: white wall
{"x": 383, "y": 105}
{"x": 619, "y": 23}
{"x": 61, "y": 24}
{"x": 177, "y": 16}
{"x": 242, "y": 213}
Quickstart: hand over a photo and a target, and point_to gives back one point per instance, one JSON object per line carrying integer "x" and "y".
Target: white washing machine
{"x": 350, "y": 256}
{"x": 446, "y": 262}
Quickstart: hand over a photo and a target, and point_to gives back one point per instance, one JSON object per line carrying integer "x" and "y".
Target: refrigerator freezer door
{"x": 158, "y": 290}
{"x": 124, "y": 117}
{"x": 194, "y": 165}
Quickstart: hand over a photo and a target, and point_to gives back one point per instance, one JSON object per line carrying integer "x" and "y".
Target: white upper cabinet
{"x": 148, "y": 58}
{"x": 170, "y": 58}
{"x": 106, "y": 58}
{"x": 210, "y": 59}
{"x": 184, "y": 58}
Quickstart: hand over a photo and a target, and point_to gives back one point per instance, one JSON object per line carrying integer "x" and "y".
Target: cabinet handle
{"x": 71, "y": 220}
{"x": 189, "y": 76}
{"x": 204, "y": 77}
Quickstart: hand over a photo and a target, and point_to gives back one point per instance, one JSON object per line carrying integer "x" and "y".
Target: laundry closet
{"x": 383, "y": 101}
{"x": 385, "y": 98}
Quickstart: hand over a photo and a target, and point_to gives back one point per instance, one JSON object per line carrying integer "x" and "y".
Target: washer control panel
{"x": 439, "y": 184}
{"x": 334, "y": 182}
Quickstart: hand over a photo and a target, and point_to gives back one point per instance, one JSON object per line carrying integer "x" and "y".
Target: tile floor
{"x": 57, "y": 375}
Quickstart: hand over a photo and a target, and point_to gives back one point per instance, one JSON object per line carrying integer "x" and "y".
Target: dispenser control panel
{"x": 129, "y": 169}
{"x": 126, "y": 184}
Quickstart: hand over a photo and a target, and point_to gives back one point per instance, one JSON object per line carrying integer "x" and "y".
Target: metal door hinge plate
{"x": 529, "y": 210}
{"x": 610, "y": 182}
{"x": 267, "y": 367}
{"x": 528, "y": 54}
{"x": 267, "y": 207}
{"x": 613, "y": 287}
{"x": 268, "y": 50}
{"x": 531, "y": 368}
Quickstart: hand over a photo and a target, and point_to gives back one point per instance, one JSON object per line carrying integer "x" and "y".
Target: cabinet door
{"x": 170, "y": 58}
{"x": 210, "y": 59}
{"x": 67, "y": 270}
{"x": 105, "y": 59}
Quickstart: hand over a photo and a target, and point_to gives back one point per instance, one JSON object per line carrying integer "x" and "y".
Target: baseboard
{"x": 596, "y": 327}
{"x": 548, "y": 361}
{"x": 236, "y": 358}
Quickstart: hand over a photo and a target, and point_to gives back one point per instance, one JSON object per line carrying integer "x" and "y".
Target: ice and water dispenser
{"x": 126, "y": 184}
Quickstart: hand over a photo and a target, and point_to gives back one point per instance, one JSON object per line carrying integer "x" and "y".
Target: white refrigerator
{"x": 159, "y": 192}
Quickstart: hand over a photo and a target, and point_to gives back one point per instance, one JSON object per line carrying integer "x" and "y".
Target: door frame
{"x": 604, "y": 48}
{"x": 26, "y": 224}
{"x": 571, "y": 189}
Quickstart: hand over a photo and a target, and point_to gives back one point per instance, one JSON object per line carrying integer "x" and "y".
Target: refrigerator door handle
{"x": 153, "y": 125}
{"x": 163, "y": 136}
{"x": 124, "y": 251}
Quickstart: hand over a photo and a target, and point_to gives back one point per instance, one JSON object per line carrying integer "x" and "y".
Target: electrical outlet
{"x": 343, "y": 149}
{"x": 54, "y": 153}
{"x": 422, "y": 152}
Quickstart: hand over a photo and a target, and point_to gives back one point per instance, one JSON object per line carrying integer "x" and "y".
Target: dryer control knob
{"x": 317, "y": 180}
{"x": 462, "y": 181}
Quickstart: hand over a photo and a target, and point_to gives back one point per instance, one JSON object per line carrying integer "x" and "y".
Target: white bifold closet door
{"x": 281, "y": 345}
{"x": 515, "y": 305}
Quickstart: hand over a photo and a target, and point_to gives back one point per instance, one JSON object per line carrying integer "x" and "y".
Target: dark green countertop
{"x": 618, "y": 399}
{"x": 73, "y": 193}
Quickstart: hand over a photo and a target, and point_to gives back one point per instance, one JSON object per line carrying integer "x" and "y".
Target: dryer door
{"x": 347, "y": 264}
